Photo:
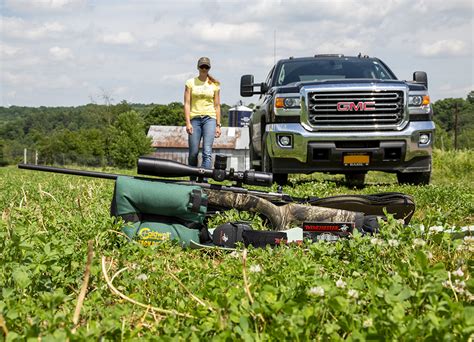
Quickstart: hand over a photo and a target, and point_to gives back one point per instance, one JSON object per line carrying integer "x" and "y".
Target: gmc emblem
{"x": 347, "y": 106}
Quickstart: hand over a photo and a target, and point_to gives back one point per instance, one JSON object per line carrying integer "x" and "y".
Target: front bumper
{"x": 389, "y": 151}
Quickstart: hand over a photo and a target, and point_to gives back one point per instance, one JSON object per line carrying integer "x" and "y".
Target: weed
{"x": 403, "y": 284}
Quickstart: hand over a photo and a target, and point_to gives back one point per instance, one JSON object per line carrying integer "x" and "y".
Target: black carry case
{"x": 401, "y": 206}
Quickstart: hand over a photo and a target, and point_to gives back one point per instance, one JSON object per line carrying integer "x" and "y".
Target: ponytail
{"x": 212, "y": 80}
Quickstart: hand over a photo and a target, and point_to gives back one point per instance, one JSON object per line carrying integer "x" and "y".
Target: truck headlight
{"x": 424, "y": 138}
{"x": 418, "y": 100}
{"x": 285, "y": 141}
{"x": 287, "y": 102}
{"x": 292, "y": 102}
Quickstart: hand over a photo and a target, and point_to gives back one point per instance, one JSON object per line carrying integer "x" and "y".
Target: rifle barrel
{"x": 54, "y": 169}
{"x": 271, "y": 196}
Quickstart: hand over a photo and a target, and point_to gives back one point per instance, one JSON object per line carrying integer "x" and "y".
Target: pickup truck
{"x": 340, "y": 115}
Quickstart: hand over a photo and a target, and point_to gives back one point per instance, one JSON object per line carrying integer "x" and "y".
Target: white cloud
{"x": 453, "y": 90}
{"x": 265, "y": 62}
{"x": 303, "y": 12}
{"x": 342, "y": 46}
{"x": 227, "y": 33}
{"x": 168, "y": 37}
{"x": 43, "y": 5}
{"x": 8, "y": 50}
{"x": 20, "y": 79}
{"x": 425, "y": 6}
{"x": 120, "y": 38}
{"x": 452, "y": 47}
{"x": 19, "y": 28}
{"x": 150, "y": 44}
{"x": 61, "y": 82}
{"x": 121, "y": 90}
{"x": 60, "y": 54}
{"x": 25, "y": 80}
{"x": 23, "y": 60}
{"x": 181, "y": 77}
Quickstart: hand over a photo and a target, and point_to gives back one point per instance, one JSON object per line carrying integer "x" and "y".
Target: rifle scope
{"x": 168, "y": 168}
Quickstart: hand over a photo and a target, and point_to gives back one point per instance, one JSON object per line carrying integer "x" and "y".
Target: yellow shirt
{"x": 202, "y": 97}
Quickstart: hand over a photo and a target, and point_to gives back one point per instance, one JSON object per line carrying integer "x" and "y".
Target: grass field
{"x": 404, "y": 284}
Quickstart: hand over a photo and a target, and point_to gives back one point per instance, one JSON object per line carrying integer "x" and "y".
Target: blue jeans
{"x": 203, "y": 127}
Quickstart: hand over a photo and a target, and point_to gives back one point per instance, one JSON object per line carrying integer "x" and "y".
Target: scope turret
{"x": 169, "y": 168}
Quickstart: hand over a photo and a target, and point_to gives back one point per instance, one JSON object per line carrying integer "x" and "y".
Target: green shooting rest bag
{"x": 155, "y": 211}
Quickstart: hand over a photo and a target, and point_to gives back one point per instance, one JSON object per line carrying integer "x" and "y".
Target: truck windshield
{"x": 331, "y": 69}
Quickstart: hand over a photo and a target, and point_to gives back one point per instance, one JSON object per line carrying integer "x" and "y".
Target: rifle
{"x": 280, "y": 217}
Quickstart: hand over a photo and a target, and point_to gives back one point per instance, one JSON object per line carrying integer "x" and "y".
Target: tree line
{"x": 94, "y": 135}
{"x": 115, "y": 134}
{"x": 454, "y": 118}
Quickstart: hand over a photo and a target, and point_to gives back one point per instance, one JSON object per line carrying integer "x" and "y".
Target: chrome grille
{"x": 355, "y": 109}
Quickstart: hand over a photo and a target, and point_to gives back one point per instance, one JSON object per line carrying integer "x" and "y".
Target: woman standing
{"x": 202, "y": 111}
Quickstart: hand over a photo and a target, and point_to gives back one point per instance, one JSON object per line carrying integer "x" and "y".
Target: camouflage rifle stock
{"x": 281, "y": 217}
{"x": 223, "y": 197}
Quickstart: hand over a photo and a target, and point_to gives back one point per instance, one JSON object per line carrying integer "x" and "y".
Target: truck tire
{"x": 414, "y": 178}
{"x": 266, "y": 160}
{"x": 279, "y": 178}
{"x": 253, "y": 156}
{"x": 355, "y": 179}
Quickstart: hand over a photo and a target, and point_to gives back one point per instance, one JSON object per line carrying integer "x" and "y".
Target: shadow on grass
{"x": 373, "y": 178}
{"x": 338, "y": 183}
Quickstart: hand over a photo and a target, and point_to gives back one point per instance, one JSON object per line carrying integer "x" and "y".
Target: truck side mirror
{"x": 246, "y": 86}
{"x": 421, "y": 77}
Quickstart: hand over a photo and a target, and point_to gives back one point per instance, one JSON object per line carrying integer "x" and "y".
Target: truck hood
{"x": 296, "y": 87}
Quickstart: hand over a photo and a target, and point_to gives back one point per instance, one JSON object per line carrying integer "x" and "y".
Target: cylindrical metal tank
{"x": 239, "y": 116}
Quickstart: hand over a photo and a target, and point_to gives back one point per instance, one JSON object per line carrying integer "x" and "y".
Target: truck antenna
{"x": 274, "y": 45}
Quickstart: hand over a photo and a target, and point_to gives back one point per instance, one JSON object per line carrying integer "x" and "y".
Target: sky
{"x": 74, "y": 52}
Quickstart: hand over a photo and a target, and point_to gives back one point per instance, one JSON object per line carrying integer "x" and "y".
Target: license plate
{"x": 356, "y": 160}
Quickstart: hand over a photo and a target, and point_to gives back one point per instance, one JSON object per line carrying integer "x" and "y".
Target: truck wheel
{"x": 355, "y": 179}
{"x": 279, "y": 178}
{"x": 414, "y": 178}
{"x": 253, "y": 156}
{"x": 266, "y": 160}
